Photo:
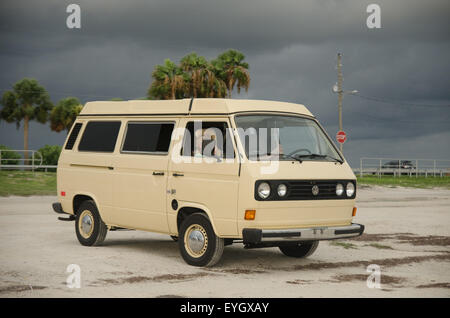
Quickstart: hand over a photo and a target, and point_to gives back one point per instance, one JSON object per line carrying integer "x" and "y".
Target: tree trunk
{"x": 194, "y": 84}
{"x": 229, "y": 89}
{"x": 173, "y": 91}
{"x": 25, "y": 138}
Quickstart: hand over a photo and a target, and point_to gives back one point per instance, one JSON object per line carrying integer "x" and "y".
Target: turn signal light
{"x": 354, "y": 211}
{"x": 63, "y": 193}
{"x": 250, "y": 215}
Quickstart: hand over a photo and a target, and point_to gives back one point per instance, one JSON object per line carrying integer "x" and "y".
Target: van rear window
{"x": 100, "y": 136}
{"x": 73, "y": 136}
{"x": 148, "y": 137}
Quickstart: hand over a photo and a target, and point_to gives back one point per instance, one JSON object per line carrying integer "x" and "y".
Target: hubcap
{"x": 86, "y": 224}
{"x": 196, "y": 240}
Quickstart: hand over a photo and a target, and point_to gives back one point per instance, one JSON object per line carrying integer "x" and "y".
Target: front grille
{"x": 303, "y": 190}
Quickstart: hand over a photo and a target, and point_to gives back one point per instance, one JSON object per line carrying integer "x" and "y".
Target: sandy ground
{"x": 408, "y": 236}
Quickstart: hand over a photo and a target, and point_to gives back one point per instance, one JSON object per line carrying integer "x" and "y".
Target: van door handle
{"x": 178, "y": 175}
{"x": 158, "y": 173}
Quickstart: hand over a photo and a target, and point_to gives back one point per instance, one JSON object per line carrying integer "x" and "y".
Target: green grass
{"x": 344, "y": 245}
{"x": 406, "y": 181}
{"x": 24, "y": 183}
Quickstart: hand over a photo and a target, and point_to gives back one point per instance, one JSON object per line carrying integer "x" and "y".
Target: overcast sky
{"x": 291, "y": 47}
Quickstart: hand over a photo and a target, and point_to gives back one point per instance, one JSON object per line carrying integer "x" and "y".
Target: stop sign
{"x": 341, "y": 137}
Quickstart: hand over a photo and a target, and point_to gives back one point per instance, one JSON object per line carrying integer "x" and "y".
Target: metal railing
{"x": 399, "y": 167}
{"x": 33, "y": 162}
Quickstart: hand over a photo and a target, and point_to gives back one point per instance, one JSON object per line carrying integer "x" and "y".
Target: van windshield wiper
{"x": 316, "y": 155}
{"x": 292, "y": 157}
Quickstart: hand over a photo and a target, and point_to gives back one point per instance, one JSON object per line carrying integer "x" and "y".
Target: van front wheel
{"x": 199, "y": 245}
{"x": 89, "y": 226}
{"x": 304, "y": 249}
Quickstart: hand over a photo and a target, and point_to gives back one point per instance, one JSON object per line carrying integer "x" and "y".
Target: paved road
{"x": 408, "y": 236}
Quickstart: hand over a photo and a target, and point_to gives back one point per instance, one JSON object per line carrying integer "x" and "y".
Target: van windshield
{"x": 279, "y": 137}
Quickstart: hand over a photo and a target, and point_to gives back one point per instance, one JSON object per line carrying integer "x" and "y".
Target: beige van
{"x": 207, "y": 172}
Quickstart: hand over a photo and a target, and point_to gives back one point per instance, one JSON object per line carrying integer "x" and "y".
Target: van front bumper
{"x": 274, "y": 237}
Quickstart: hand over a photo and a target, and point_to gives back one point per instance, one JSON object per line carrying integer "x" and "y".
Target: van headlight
{"x": 350, "y": 189}
{"x": 282, "y": 190}
{"x": 264, "y": 190}
{"x": 339, "y": 189}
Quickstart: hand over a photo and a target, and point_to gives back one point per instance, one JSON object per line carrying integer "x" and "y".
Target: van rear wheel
{"x": 199, "y": 245}
{"x": 301, "y": 250}
{"x": 89, "y": 227}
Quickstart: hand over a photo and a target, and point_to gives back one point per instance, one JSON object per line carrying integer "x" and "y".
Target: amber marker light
{"x": 354, "y": 211}
{"x": 250, "y": 215}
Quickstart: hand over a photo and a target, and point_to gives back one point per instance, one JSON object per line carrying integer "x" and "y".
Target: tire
{"x": 205, "y": 253}
{"x": 174, "y": 238}
{"x": 90, "y": 235}
{"x": 302, "y": 250}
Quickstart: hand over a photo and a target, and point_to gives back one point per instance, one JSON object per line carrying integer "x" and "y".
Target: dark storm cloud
{"x": 291, "y": 47}
{"x": 248, "y": 24}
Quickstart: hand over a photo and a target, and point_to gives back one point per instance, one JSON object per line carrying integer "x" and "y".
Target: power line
{"x": 393, "y": 102}
{"x": 372, "y": 119}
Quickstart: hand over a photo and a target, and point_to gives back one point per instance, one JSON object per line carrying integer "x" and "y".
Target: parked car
{"x": 183, "y": 168}
{"x": 399, "y": 164}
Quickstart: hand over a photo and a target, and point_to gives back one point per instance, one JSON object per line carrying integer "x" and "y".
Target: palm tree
{"x": 229, "y": 67}
{"x": 196, "y": 77}
{"x": 215, "y": 86}
{"x": 202, "y": 77}
{"x": 195, "y": 67}
{"x": 26, "y": 101}
{"x": 169, "y": 81}
{"x": 64, "y": 114}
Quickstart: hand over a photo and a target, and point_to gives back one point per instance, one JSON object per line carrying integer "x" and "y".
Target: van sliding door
{"x": 140, "y": 175}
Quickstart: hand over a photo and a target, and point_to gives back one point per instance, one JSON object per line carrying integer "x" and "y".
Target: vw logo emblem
{"x": 315, "y": 190}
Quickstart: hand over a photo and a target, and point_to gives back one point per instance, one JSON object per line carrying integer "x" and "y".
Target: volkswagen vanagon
{"x": 207, "y": 172}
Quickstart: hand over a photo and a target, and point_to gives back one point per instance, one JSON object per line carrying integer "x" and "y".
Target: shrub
{"x": 11, "y": 155}
{"x": 50, "y": 154}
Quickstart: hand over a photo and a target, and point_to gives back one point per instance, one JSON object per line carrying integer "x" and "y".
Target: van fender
{"x": 187, "y": 204}
{"x": 94, "y": 198}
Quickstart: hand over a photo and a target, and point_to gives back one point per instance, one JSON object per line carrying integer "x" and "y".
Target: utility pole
{"x": 340, "y": 94}
{"x": 337, "y": 88}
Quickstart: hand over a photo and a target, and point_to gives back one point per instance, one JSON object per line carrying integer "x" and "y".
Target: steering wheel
{"x": 299, "y": 150}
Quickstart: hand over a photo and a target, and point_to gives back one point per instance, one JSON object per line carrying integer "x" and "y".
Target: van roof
{"x": 188, "y": 106}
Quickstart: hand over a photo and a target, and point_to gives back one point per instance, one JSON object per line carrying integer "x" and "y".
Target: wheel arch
{"x": 79, "y": 198}
{"x": 189, "y": 208}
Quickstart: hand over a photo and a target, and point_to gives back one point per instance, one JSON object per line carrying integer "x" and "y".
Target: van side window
{"x": 148, "y": 137}
{"x": 73, "y": 136}
{"x": 207, "y": 139}
{"x": 99, "y": 136}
